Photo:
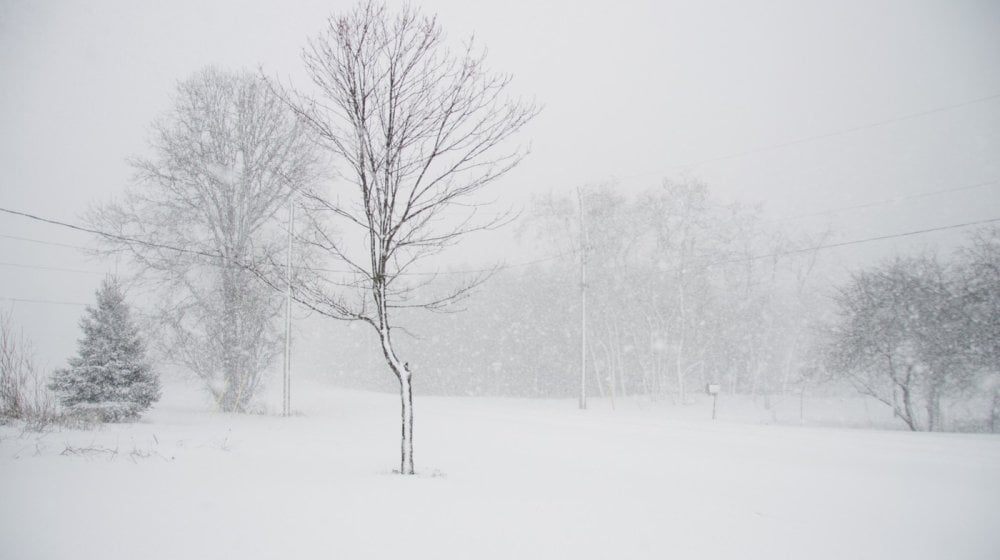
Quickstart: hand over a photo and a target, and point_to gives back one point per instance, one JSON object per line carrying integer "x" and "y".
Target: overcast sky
{"x": 803, "y": 107}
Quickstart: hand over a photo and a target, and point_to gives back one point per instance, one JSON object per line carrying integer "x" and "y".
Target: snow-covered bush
{"x": 109, "y": 380}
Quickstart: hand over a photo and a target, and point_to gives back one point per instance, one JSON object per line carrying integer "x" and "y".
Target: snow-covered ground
{"x": 500, "y": 479}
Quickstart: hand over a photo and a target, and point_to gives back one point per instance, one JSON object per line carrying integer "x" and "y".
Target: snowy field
{"x": 499, "y": 479}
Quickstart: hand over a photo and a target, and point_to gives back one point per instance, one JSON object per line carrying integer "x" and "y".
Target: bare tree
{"x": 23, "y": 394}
{"x": 979, "y": 272}
{"x": 418, "y": 129}
{"x": 900, "y": 337}
{"x": 225, "y": 159}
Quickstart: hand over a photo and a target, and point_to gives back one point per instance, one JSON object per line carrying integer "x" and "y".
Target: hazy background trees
{"x": 682, "y": 290}
{"x": 200, "y": 219}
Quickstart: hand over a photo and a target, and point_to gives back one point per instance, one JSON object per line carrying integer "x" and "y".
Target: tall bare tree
{"x": 417, "y": 130}
{"x": 899, "y": 338}
{"x": 224, "y": 160}
{"x": 979, "y": 274}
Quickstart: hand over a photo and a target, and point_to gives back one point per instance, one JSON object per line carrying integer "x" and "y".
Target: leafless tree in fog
{"x": 900, "y": 338}
{"x": 417, "y": 130}
{"x": 225, "y": 159}
{"x": 683, "y": 290}
{"x": 22, "y": 386}
{"x": 979, "y": 264}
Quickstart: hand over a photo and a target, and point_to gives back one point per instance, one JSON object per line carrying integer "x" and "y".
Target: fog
{"x": 683, "y": 285}
{"x": 803, "y": 109}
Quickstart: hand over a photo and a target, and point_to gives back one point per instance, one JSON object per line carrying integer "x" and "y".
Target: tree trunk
{"x": 597, "y": 372}
{"x": 610, "y": 360}
{"x": 406, "y": 396}
{"x": 995, "y": 412}
{"x": 232, "y": 400}
{"x": 402, "y": 372}
{"x": 934, "y": 410}
{"x": 678, "y": 364}
{"x": 908, "y": 415}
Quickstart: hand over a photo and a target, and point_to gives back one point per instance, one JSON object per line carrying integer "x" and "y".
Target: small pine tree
{"x": 109, "y": 380}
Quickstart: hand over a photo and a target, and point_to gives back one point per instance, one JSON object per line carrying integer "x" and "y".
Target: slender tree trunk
{"x": 908, "y": 416}
{"x": 597, "y": 372}
{"x": 406, "y": 445}
{"x": 678, "y": 364}
{"x": 402, "y": 372}
{"x": 609, "y": 357}
{"x": 934, "y": 409}
{"x": 786, "y": 366}
{"x": 995, "y": 412}
{"x": 620, "y": 372}
{"x": 230, "y": 367}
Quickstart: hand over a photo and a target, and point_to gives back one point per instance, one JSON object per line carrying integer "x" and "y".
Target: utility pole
{"x": 583, "y": 303}
{"x": 286, "y": 393}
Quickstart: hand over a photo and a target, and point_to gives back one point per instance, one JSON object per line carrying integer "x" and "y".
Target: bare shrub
{"x": 23, "y": 392}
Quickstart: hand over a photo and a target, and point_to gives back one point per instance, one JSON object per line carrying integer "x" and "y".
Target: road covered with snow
{"x": 498, "y": 478}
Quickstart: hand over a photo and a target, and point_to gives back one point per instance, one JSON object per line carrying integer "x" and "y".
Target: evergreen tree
{"x": 109, "y": 380}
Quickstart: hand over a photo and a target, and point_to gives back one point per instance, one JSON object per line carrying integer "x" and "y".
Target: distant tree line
{"x": 682, "y": 290}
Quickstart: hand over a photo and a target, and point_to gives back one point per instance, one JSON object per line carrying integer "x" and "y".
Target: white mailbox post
{"x": 713, "y": 389}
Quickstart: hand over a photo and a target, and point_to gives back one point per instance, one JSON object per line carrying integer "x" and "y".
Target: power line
{"x": 898, "y": 235}
{"x": 885, "y": 201}
{"x": 821, "y": 136}
{"x": 110, "y": 235}
{"x": 835, "y": 245}
{"x": 695, "y": 163}
{"x": 53, "y": 268}
{"x": 831, "y": 211}
{"x": 849, "y": 243}
{"x": 708, "y": 265}
{"x": 842, "y": 132}
{"x": 42, "y": 242}
{"x": 219, "y": 256}
{"x": 521, "y": 264}
{"x": 48, "y": 301}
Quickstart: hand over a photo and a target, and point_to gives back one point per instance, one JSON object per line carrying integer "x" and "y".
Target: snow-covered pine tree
{"x": 109, "y": 380}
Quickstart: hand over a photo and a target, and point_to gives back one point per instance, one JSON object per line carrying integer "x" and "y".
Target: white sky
{"x": 632, "y": 90}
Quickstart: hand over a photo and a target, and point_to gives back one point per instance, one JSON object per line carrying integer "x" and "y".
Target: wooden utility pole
{"x": 286, "y": 393}
{"x": 583, "y": 303}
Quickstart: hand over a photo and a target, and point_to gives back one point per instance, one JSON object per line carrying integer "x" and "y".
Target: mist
{"x": 658, "y": 242}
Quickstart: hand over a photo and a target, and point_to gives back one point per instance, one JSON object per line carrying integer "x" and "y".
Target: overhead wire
{"x": 695, "y": 163}
{"x": 127, "y": 239}
{"x": 52, "y": 268}
{"x": 110, "y": 235}
{"x": 572, "y": 252}
{"x": 822, "y": 136}
{"x": 852, "y": 242}
{"x": 49, "y": 301}
{"x": 883, "y": 202}
{"x": 42, "y": 242}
